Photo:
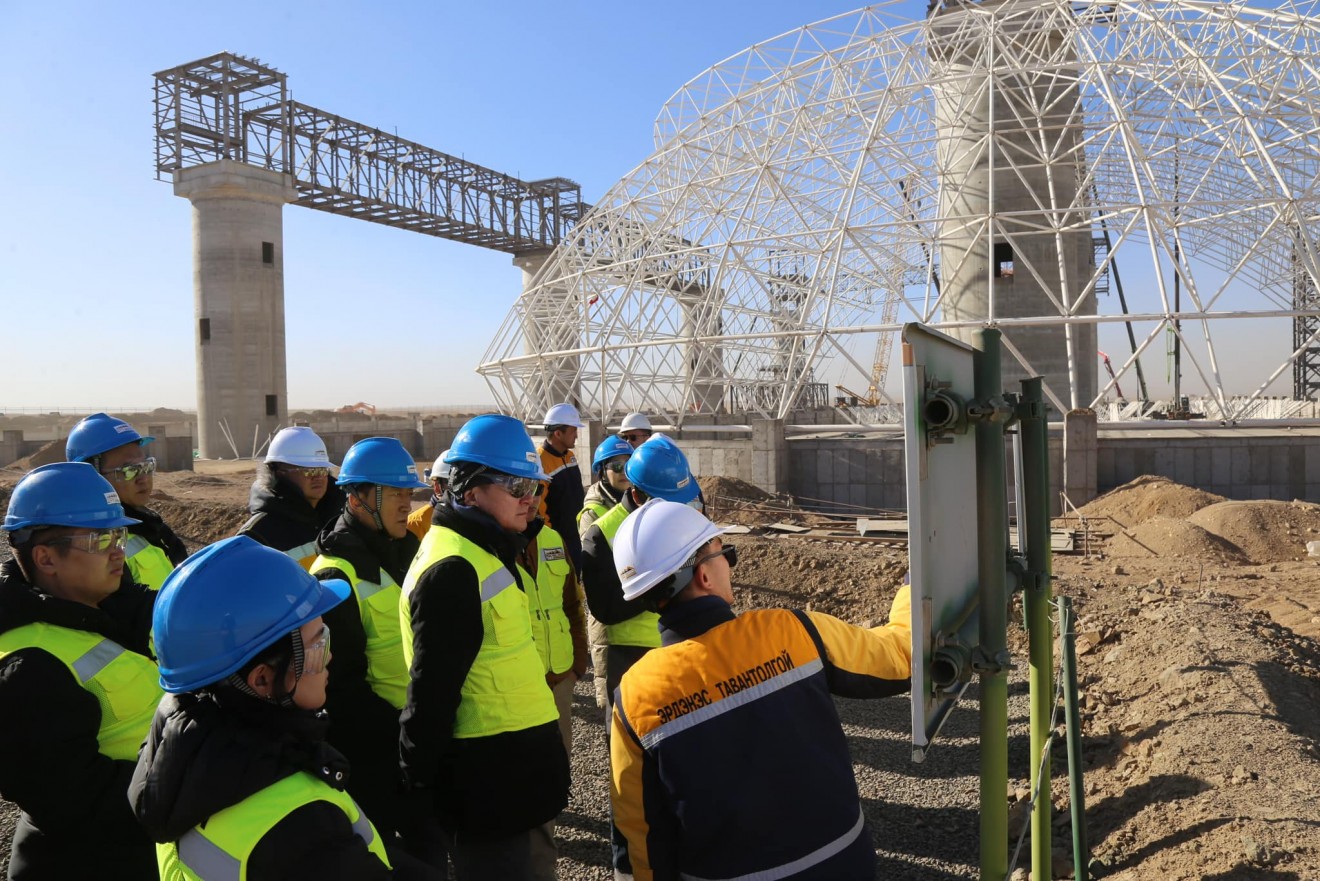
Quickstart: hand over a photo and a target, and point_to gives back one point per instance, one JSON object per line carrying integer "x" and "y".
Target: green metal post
{"x": 1036, "y": 605}
{"x": 1076, "y": 792}
{"x": 992, "y": 550}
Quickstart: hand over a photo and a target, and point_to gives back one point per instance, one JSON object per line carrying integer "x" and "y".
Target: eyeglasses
{"x": 728, "y": 551}
{"x": 518, "y": 487}
{"x": 132, "y": 471}
{"x": 309, "y": 473}
{"x": 635, "y": 437}
{"x": 316, "y": 654}
{"x": 616, "y": 467}
{"x": 100, "y": 542}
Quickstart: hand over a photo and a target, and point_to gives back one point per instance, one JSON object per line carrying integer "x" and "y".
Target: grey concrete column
{"x": 1081, "y": 461}
{"x": 596, "y": 433}
{"x": 770, "y": 469}
{"x": 554, "y": 380}
{"x": 238, "y": 295}
{"x": 703, "y": 362}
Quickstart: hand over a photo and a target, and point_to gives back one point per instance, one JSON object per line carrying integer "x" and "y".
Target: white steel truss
{"x": 792, "y": 208}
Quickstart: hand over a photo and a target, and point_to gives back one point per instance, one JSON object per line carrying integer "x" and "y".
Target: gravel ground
{"x": 924, "y": 818}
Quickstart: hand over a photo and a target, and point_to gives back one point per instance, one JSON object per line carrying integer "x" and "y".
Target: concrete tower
{"x": 1015, "y": 237}
{"x": 556, "y": 381}
{"x": 238, "y": 295}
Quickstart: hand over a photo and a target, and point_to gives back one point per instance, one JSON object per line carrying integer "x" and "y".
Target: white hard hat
{"x": 300, "y": 446}
{"x": 635, "y": 422}
{"x": 562, "y": 414}
{"x": 657, "y": 540}
{"x": 441, "y": 469}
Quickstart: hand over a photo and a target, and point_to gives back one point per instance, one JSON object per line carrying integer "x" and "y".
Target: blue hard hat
{"x": 100, "y": 433}
{"x": 226, "y": 603}
{"x": 610, "y": 448}
{"x": 659, "y": 469}
{"x": 65, "y": 494}
{"x": 498, "y": 442}
{"x": 379, "y": 460}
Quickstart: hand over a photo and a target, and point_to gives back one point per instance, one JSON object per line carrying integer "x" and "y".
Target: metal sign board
{"x": 940, "y": 449}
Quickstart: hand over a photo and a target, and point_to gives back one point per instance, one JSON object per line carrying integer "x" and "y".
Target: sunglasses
{"x": 309, "y": 473}
{"x": 634, "y": 437}
{"x": 128, "y": 473}
{"x": 100, "y": 542}
{"x": 616, "y": 467}
{"x": 518, "y": 487}
{"x": 728, "y": 551}
{"x": 316, "y": 654}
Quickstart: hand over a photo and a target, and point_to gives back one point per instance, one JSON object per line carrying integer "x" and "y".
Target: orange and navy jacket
{"x": 563, "y": 497}
{"x": 727, "y": 756}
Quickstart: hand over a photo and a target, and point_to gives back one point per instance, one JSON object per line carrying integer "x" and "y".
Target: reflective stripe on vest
{"x": 305, "y": 554}
{"x": 642, "y": 629}
{"x": 801, "y": 864}
{"x": 124, "y": 683}
{"x": 598, "y": 508}
{"x": 148, "y": 564}
{"x": 220, "y": 851}
{"x": 545, "y": 595}
{"x": 378, "y": 606}
{"x": 505, "y": 687}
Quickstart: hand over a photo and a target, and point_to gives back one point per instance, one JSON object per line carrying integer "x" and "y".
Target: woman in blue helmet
{"x": 609, "y": 489}
{"x": 481, "y": 748}
{"x": 235, "y": 779}
{"x": 370, "y": 547}
{"x": 77, "y": 679}
{"x": 118, "y": 452}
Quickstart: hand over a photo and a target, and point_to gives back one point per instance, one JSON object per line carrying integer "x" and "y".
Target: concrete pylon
{"x": 544, "y": 330}
{"x": 238, "y": 296}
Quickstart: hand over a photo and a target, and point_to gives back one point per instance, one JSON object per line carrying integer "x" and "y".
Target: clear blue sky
{"x": 95, "y": 254}
{"x": 96, "y": 266}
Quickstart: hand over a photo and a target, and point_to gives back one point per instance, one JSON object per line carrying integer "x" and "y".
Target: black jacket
{"x": 363, "y": 725}
{"x": 210, "y": 750}
{"x": 75, "y": 822}
{"x": 480, "y": 786}
{"x": 600, "y": 581}
{"x": 282, "y": 518}
{"x": 563, "y": 500}
{"x": 154, "y": 530}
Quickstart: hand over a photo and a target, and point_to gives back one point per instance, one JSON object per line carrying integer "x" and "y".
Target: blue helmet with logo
{"x": 379, "y": 460}
{"x": 610, "y": 448}
{"x": 100, "y": 433}
{"x": 659, "y": 469}
{"x": 227, "y": 603}
{"x": 65, "y": 494}
{"x": 501, "y": 443}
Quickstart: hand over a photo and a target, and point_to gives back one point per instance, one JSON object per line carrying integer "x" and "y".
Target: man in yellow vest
{"x": 611, "y": 484}
{"x": 235, "y": 779}
{"x": 77, "y": 680}
{"x": 293, "y": 498}
{"x": 727, "y": 756}
{"x": 480, "y": 745}
{"x": 114, "y": 448}
{"x": 370, "y": 547}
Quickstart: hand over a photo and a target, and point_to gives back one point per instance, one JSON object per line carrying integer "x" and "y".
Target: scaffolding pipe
{"x": 1073, "y": 719}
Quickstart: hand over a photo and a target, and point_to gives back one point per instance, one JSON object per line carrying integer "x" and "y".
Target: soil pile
{"x": 1169, "y": 537}
{"x": 1267, "y": 531}
{"x": 731, "y": 500}
{"x": 200, "y": 523}
{"x": 51, "y": 452}
{"x": 1146, "y": 497}
{"x": 838, "y": 578}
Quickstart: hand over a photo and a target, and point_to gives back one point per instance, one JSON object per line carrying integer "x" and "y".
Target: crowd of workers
{"x": 185, "y": 717}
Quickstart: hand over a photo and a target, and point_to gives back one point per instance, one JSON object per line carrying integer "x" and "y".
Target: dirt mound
{"x": 51, "y": 452}
{"x": 1147, "y": 497}
{"x": 1169, "y": 537}
{"x": 200, "y": 523}
{"x": 730, "y": 500}
{"x": 1267, "y": 531}
{"x": 732, "y": 488}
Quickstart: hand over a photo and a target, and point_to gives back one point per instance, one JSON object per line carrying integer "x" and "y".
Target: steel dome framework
{"x": 790, "y": 218}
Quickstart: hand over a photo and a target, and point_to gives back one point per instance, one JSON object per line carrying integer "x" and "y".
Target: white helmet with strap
{"x": 656, "y": 541}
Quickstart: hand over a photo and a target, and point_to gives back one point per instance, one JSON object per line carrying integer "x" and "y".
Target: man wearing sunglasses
{"x": 480, "y": 744}
{"x": 737, "y": 711}
{"x": 636, "y": 428}
{"x": 78, "y": 683}
{"x": 114, "y": 448}
{"x": 564, "y": 492}
{"x": 293, "y": 497}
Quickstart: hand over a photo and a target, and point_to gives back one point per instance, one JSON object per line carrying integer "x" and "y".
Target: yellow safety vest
{"x": 598, "y": 508}
{"x": 545, "y": 595}
{"x": 148, "y": 564}
{"x": 505, "y": 687}
{"x": 219, "y": 849}
{"x": 378, "y": 604}
{"x": 642, "y": 629}
{"x": 125, "y": 684}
